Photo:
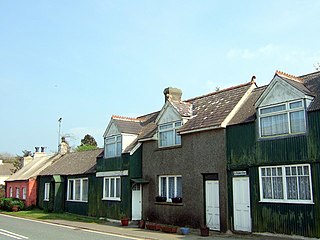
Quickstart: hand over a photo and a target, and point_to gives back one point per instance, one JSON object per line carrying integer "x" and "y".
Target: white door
{"x": 212, "y": 205}
{"x": 241, "y": 204}
{"x": 136, "y": 202}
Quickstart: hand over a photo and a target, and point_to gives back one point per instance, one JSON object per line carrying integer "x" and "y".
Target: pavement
{"x": 133, "y": 232}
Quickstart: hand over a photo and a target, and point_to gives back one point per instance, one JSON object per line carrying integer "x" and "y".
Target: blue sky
{"x": 85, "y": 61}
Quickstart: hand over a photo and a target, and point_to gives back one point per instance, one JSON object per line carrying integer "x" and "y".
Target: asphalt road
{"x": 16, "y": 228}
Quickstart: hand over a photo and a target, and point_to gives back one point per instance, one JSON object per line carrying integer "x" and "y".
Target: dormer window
{"x": 168, "y": 135}
{"x": 113, "y": 146}
{"x": 282, "y": 119}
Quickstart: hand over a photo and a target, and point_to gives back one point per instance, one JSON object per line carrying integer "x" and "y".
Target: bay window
{"x": 168, "y": 135}
{"x": 287, "y": 183}
{"x": 282, "y": 119}
{"x": 113, "y": 146}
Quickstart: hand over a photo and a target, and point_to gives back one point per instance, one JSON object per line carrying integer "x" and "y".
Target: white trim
{"x": 136, "y": 147}
{"x": 46, "y": 196}
{"x": 74, "y": 190}
{"x": 109, "y": 188}
{"x": 173, "y": 129}
{"x": 238, "y": 105}
{"x": 112, "y": 173}
{"x": 284, "y": 186}
{"x": 167, "y": 185}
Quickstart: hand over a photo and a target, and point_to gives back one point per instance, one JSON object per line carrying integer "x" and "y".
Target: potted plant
{"x": 177, "y": 200}
{"x": 124, "y": 219}
{"x": 161, "y": 199}
{"x": 204, "y": 231}
{"x": 142, "y": 224}
{"x": 169, "y": 228}
{"x": 153, "y": 226}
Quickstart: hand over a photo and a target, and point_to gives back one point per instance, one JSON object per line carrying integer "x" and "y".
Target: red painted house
{"x": 23, "y": 184}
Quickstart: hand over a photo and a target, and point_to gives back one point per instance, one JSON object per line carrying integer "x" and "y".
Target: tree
{"x": 88, "y": 140}
{"x": 17, "y": 163}
{"x": 87, "y": 143}
{"x": 7, "y": 157}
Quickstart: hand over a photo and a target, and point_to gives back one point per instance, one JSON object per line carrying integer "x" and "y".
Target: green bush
{"x": 7, "y": 203}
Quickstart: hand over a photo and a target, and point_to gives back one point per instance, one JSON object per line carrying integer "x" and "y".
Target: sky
{"x": 84, "y": 61}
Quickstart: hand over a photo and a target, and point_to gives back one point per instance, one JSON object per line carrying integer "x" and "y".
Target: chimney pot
{"x": 37, "y": 149}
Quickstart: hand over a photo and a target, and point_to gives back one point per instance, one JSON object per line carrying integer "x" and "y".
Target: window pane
{"x": 297, "y": 121}
{"x": 106, "y": 188}
{"x": 165, "y": 126}
{"x": 304, "y": 188}
{"x": 266, "y": 188}
{"x": 274, "y": 125}
{"x": 77, "y": 189}
{"x": 295, "y": 105}
{"x": 118, "y": 149}
{"x": 166, "y": 138}
{"x": 163, "y": 186}
{"x": 85, "y": 190}
{"x": 171, "y": 187}
{"x": 273, "y": 109}
{"x": 110, "y": 148}
{"x": 178, "y": 139}
{"x": 118, "y": 187}
{"x": 112, "y": 184}
{"x": 179, "y": 186}
{"x": 71, "y": 190}
{"x": 292, "y": 188}
{"x": 277, "y": 188}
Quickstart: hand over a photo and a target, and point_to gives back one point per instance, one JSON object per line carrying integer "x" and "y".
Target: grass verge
{"x": 42, "y": 215}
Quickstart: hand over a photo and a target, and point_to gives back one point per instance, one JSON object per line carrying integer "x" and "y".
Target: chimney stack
{"x": 173, "y": 94}
{"x": 64, "y": 146}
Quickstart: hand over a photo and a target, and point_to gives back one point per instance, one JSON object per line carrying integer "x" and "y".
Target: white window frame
{"x": 115, "y": 140}
{"x": 166, "y": 177}
{"x": 108, "y": 194}
{"x": 286, "y": 111}
{"x": 24, "y": 193}
{"x": 71, "y": 195}
{"x": 46, "y": 192}
{"x": 283, "y": 176}
{"x": 17, "y": 192}
{"x": 11, "y": 192}
{"x": 172, "y": 128}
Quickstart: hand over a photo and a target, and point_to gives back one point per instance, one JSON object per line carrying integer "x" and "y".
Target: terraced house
{"x": 184, "y": 158}
{"x": 273, "y": 158}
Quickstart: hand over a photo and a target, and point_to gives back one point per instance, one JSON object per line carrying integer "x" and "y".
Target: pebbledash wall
{"x": 200, "y": 154}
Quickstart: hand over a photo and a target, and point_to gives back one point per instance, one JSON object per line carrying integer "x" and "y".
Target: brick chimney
{"x": 173, "y": 94}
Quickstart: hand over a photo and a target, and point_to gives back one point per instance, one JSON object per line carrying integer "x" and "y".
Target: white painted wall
{"x": 169, "y": 114}
{"x": 127, "y": 139}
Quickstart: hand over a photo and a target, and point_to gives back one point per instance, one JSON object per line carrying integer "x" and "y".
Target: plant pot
{"x": 185, "y": 230}
{"x": 176, "y": 200}
{"x": 161, "y": 199}
{"x": 124, "y": 221}
{"x": 169, "y": 229}
{"x": 153, "y": 226}
{"x": 204, "y": 231}
{"x": 15, "y": 208}
{"x": 142, "y": 224}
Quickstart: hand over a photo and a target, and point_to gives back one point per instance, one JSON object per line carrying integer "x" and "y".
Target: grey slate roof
{"x": 33, "y": 168}
{"x": 312, "y": 82}
{"x": 247, "y": 112}
{"x": 74, "y": 163}
{"x": 127, "y": 125}
{"x": 212, "y": 109}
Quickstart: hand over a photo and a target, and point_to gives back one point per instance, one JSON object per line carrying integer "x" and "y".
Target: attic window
{"x": 168, "y": 135}
{"x": 113, "y": 146}
{"x": 282, "y": 119}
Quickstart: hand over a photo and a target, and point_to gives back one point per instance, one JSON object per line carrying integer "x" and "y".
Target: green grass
{"x": 42, "y": 215}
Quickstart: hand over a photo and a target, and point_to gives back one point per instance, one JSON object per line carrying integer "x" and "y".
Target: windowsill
{"x": 168, "y": 147}
{"x": 111, "y": 199}
{"x": 281, "y": 136}
{"x": 287, "y": 202}
{"x": 46, "y": 200}
{"x": 168, "y": 203}
{"x": 77, "y": 201}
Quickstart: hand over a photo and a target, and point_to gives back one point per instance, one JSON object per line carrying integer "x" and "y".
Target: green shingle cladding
{"x": 246, "y": 152}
